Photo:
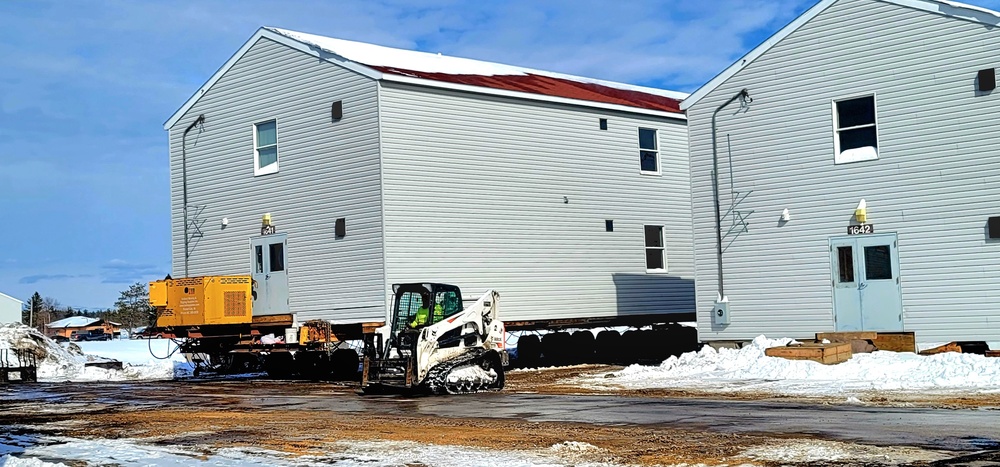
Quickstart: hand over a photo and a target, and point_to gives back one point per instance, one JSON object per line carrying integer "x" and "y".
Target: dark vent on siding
{"x": 993, "y": 227}
{"x": 337, "y": 110}
{"x": 987, "y": 79}
{"x": 604, "y": 123}
{"x": 340, "y": 228}
{"x": 609, "y": 225}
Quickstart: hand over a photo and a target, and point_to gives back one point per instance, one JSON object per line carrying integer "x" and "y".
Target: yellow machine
{"x": 198, "y": 301}
{"x": 212, "y": 318}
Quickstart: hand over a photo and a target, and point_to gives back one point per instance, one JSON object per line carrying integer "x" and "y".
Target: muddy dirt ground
{"x": 214, "y": 416}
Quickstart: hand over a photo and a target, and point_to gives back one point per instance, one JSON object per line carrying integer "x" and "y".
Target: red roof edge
{"x": 550, "y": 86}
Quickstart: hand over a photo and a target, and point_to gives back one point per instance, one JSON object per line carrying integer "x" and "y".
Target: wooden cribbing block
{"x": 993, "y": 353}
{"x": 847, "y": 336}
{"x": 973, "y": 347}
{"x": 949, "y": 347}
{"x": 891, "y": 341}
{"x": 897, "y": 341}
{"x": 827, "y": 354}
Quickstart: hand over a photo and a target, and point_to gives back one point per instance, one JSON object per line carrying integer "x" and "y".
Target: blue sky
{"x": 86, "y": 86}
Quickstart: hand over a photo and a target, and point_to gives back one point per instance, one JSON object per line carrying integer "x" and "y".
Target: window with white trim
{"x": 649, "y": 154}
{"x": 265, "y": 147}
{"x": 656, "y": 252}
{"x": 855, "y": 130}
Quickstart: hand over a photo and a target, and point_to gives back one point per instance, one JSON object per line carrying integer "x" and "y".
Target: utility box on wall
{"x": 720, "y": 314}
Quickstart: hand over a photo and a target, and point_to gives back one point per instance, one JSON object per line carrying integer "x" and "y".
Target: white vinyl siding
{"x": 10, "y": 309}
{"x": 329, "y": 170}
{"x": 494, "y": 192}
{"x": 935, "y": 183}
{"x": 265, "y": 144}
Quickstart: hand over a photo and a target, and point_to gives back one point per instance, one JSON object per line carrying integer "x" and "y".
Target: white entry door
{"x": 866, "y": 289}
{"x": 268, "y": 268}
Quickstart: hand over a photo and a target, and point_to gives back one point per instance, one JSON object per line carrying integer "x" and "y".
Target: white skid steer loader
{"x": 434, "y": 344}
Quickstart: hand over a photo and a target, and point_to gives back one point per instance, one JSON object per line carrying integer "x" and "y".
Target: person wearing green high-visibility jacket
{"x": 424, "y": 312}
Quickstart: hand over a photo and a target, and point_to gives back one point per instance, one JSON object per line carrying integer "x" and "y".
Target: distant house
{"x": 857, "y": 188}
{"x": 81, "y": 325}
{"x": 10, "y": 309}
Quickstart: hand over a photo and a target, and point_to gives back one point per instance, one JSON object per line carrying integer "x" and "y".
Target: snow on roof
{"x": 462, "y": 74}
{"x": 966, "y": 6}
{"x": 72, "y": 322}
{"x": 437, "y": 67}
{"x": 944, "y": 7}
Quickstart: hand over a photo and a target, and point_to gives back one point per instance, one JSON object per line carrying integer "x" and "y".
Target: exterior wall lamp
{"x": 861, "y": 212}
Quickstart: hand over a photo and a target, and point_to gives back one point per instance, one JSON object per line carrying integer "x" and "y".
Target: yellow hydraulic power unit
{"x": 197, "y": 301}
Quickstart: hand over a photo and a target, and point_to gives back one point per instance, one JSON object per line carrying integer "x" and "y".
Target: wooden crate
{"x": 891, "y": 341}
{"x": 827, "y": 354}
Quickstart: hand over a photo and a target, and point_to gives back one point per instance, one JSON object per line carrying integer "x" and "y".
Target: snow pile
{"x": 135, "y": 452}
{"x": 11, "y": 461}
{"x": 820, "y": 451}
{"x": 574, "y": 446}
{"x": 472, "y": 374}
{"x": 58, "y": 363}
{"x": 748, "y": 369}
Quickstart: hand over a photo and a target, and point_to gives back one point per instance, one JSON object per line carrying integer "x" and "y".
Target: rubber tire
{"x": 609, "y": 346}
{"x": 557, "y": 348}
{"x": 314, "y": 366}
{"x": 631, "y": 347}
{"x": 344, "y": 363}
{"x": 279, "y": 365}
{"x": 529, "y": 351}
{"x": 655, "y": 347}
{"x": 584, "y": 347}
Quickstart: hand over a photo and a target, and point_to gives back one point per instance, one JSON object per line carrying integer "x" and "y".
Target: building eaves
{"x": 943, "y": 7}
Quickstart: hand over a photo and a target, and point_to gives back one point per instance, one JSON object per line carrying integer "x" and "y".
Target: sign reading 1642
{"x": 860, "y": 229}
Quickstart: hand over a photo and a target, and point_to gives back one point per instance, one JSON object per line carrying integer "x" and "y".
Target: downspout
{"x": 184, "y": 183}
{"x": 744, "y": 95}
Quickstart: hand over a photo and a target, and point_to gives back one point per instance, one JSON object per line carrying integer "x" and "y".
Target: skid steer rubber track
{"x": 437, "y": 379}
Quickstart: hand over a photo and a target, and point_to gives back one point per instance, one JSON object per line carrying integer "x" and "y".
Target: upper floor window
{"x": 855, "y": 130}
{"x": 265, "y": 147}
{"x": 656, "y": 252}
{"x": 649, "y": 153}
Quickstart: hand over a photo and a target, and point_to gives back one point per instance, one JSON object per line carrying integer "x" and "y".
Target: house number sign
{"x": 860, "y": 229}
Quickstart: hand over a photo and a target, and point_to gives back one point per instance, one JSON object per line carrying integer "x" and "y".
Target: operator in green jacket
{"x": 420, "y": 319}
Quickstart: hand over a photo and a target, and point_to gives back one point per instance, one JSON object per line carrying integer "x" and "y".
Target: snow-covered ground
{"x": 748, "y": 369}
{"x": 55, "y": 451}
{"x": 16, "y": 451}
{"x": 68, "y": 361}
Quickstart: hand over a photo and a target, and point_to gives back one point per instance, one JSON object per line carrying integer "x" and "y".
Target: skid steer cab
{"x": 434, "y": 343}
